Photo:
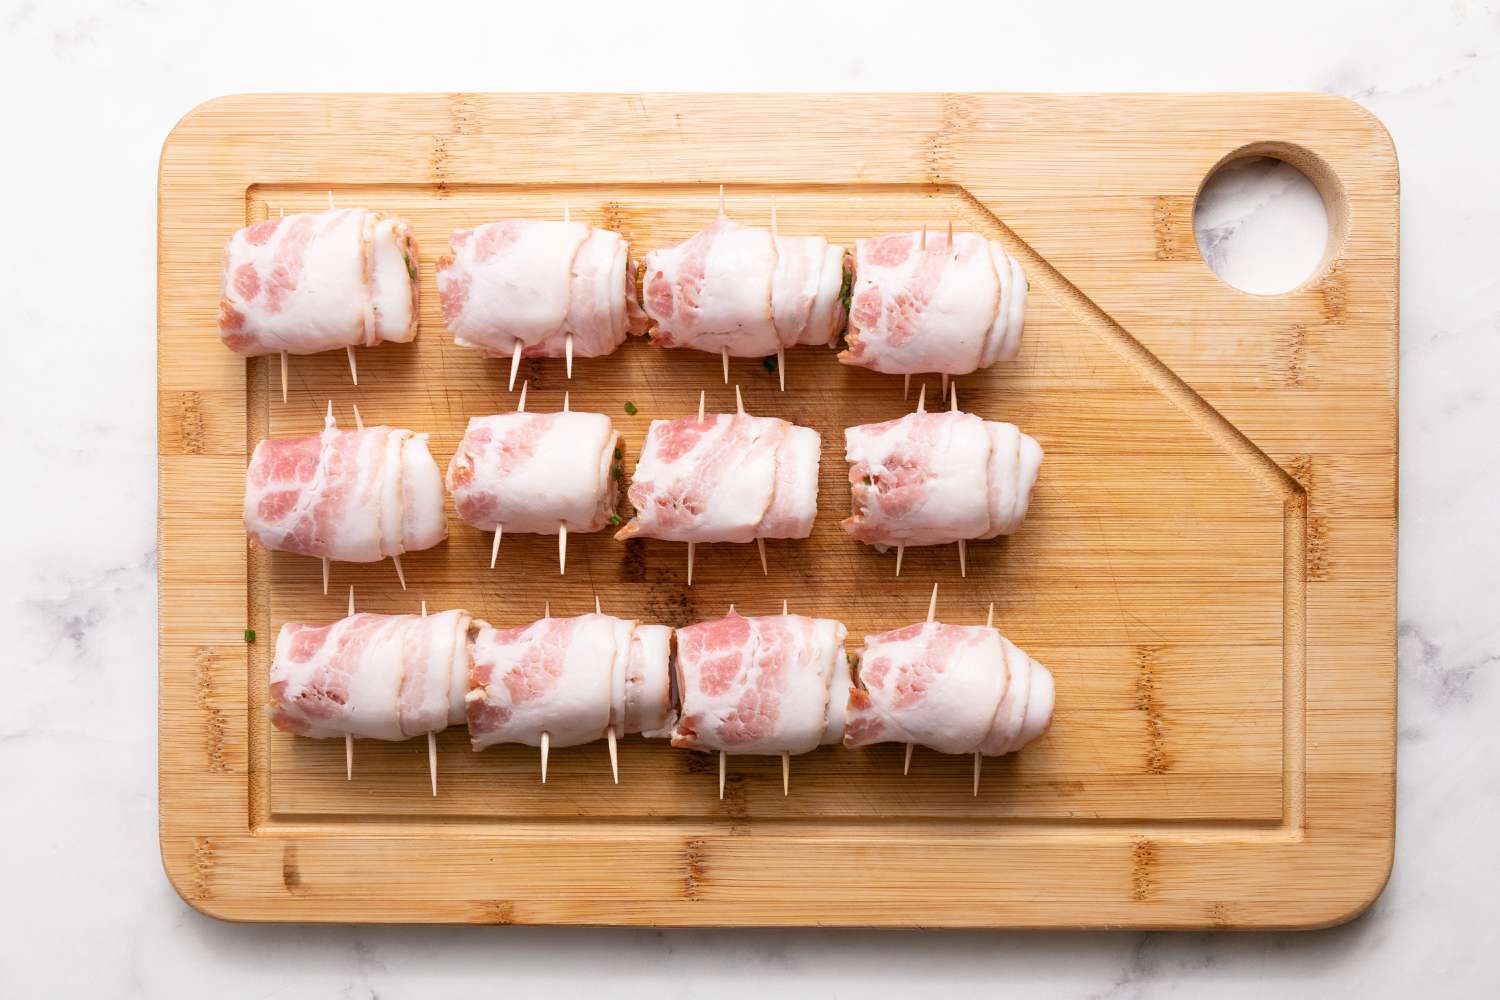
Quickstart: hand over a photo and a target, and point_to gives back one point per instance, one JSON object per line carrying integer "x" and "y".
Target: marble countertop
{"x": 93, "y": 88}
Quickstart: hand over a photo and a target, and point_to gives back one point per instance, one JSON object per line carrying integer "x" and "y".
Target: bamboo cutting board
{"x": 1208, "y": 567}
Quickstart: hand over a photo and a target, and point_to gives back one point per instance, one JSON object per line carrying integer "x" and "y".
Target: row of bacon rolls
{"x": 910, "y": 303}
{"x": 765, "y": 685}
{"x": 928, "y": 478}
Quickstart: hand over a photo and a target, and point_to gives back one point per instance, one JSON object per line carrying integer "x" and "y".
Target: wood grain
{"x": 1208, "y": 568}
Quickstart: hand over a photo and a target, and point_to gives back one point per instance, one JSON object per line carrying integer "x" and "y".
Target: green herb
{"x": 249, "y": 635}
{"x": 630, "y": 408}
{"x": 619, "y": 452}
{"x": 616, "y": 473}
{"x": 846, "y": 289}
{"x": 411, "y": 269}
{"x": 769, "y": 363}
{"x": 869, "y": 480}
{"x": 614, "y": 520}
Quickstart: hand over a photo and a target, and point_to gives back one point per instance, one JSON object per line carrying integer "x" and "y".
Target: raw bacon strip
{"x": 571, "y": 678}
{"x": 315, "y": 281}
{"x": 955, "y": 688}
{"x": 758, "y": 685}
{"x": 536, "y": 282}
{"x": 737, "y": 289}
{"x": 532, "y": 472}
{"x": 383, "y": 677}
{"x": 934, "y": 478}
{"x": 352, "y": 496}
{"x": 725, "y": 478}
{"x": 942, "y": 309}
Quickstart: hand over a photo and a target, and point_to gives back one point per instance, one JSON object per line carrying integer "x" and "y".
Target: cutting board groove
{"x": 1208, "y": 567}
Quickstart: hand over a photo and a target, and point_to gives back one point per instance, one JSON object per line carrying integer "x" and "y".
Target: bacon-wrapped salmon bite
{"x": 562, "y": 682}
{"x": 350, "y": 496}
{"x": 939, "y": 308}
{"x": 724, "y": 478}
{"x": 379, "y": 677}
{"x": 935, "y": 478}
{"x": 540, "y": 473}
{"x": 776, "y": 684}
{"x": 957, "y": 689}
{"x": 315, "y": 281}
{"x": 744, "y": 293}
{"x": 529, "y": 288}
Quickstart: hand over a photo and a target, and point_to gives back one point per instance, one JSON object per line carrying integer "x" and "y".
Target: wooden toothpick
{"x": 691, "y": 547}
{"x": 989, "y": 620}
{"x": 721, "y": 775}
{"x": 495, "y": 548}
{"x": 325, "y": 575}
{"x": 786, "y": 773}
{"x": 932, "y": 604}
{"x": 515, "y": 364}
{"x": 614, "y": 754}
{"x": 521, "y": 403}
{"x": 359, "y": 422}
{"x": 963, "y": 558}
{"x": 546, "y": 744}
{"x": 283, "y": 376}
{"x": 724, "y": 353}
{"x": 400, "y": 573}
{"x": 760, "y": 543}
{"x": 906, "y": 768}
{"x": 562, "y": 548}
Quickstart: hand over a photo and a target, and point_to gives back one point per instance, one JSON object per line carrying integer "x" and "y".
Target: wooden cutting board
{"x": 1208, "y": 567}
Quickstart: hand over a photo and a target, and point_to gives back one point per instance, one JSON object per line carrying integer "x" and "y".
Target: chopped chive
{"x": 411, "y": 269}
{"x": 769, "y": 363}
{"x": 249, "y": 635}
{"x": 619, "y": 452}
{"x": 614, "y": 520}
{"x": 616, "y": 473}
{"x": 630, "y": 408}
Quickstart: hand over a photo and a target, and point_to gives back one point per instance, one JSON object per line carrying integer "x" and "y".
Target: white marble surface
{"x": 91, "y": 89}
